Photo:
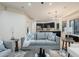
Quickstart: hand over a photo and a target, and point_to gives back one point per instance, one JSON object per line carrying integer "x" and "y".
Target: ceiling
{"x": 46, "y": 11}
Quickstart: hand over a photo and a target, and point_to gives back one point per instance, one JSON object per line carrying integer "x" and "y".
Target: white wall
{"x": 33, "y": 26}
{"x": 13, "y": 22}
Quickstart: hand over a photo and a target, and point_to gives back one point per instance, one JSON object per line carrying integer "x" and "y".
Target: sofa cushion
{"x": 7, "y": 44}
{"x": 41, "y": 35}
{"x": 2, "y": 47}
{"x": 42, "y": 42}
{"x": 1, "y": 50}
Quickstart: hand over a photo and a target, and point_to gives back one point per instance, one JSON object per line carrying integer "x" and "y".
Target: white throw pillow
{"x": 2, "y": 47}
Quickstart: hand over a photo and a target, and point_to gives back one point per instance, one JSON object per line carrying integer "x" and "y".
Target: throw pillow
{"x": 30, "y": 36}
{"x": 52, "y": 36}
{"x": 2, "y": 47}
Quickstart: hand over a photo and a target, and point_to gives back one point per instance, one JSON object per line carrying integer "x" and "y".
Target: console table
{"x": 74, "y": 36}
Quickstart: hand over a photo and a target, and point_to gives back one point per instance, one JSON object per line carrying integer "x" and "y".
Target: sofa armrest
{"x": 57, "y": 40}
{"x": 8, "y": 44}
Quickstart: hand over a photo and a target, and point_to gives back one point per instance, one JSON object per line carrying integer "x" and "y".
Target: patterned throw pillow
{"x": 52, "y": 36}
{"x": 30, "y": 36}
{"x": 2, "y": 47}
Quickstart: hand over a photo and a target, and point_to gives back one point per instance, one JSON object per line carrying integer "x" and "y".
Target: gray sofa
{"x": 8, "y": 51}
{"x": 40, "y": 40}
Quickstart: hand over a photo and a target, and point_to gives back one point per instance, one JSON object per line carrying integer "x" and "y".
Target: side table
{"x": 66, "y": 43}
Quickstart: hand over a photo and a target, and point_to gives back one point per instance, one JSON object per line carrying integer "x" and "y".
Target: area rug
{"x": 52, "y": 53}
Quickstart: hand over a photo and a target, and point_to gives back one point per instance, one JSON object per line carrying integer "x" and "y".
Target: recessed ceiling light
{"x": 29, "y": 4}
{"x": 42, "y": 2}
{"x": 50, "y": 4}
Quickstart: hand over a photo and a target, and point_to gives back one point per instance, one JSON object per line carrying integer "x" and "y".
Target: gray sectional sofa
{"x": 7, "y": 52}
{"x": 41, "y": 40}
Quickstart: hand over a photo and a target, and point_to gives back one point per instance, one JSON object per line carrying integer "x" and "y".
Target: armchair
{"x": 7, "y": 52}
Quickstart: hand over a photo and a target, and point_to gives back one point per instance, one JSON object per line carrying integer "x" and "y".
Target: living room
{"x": 39, "y": 29}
